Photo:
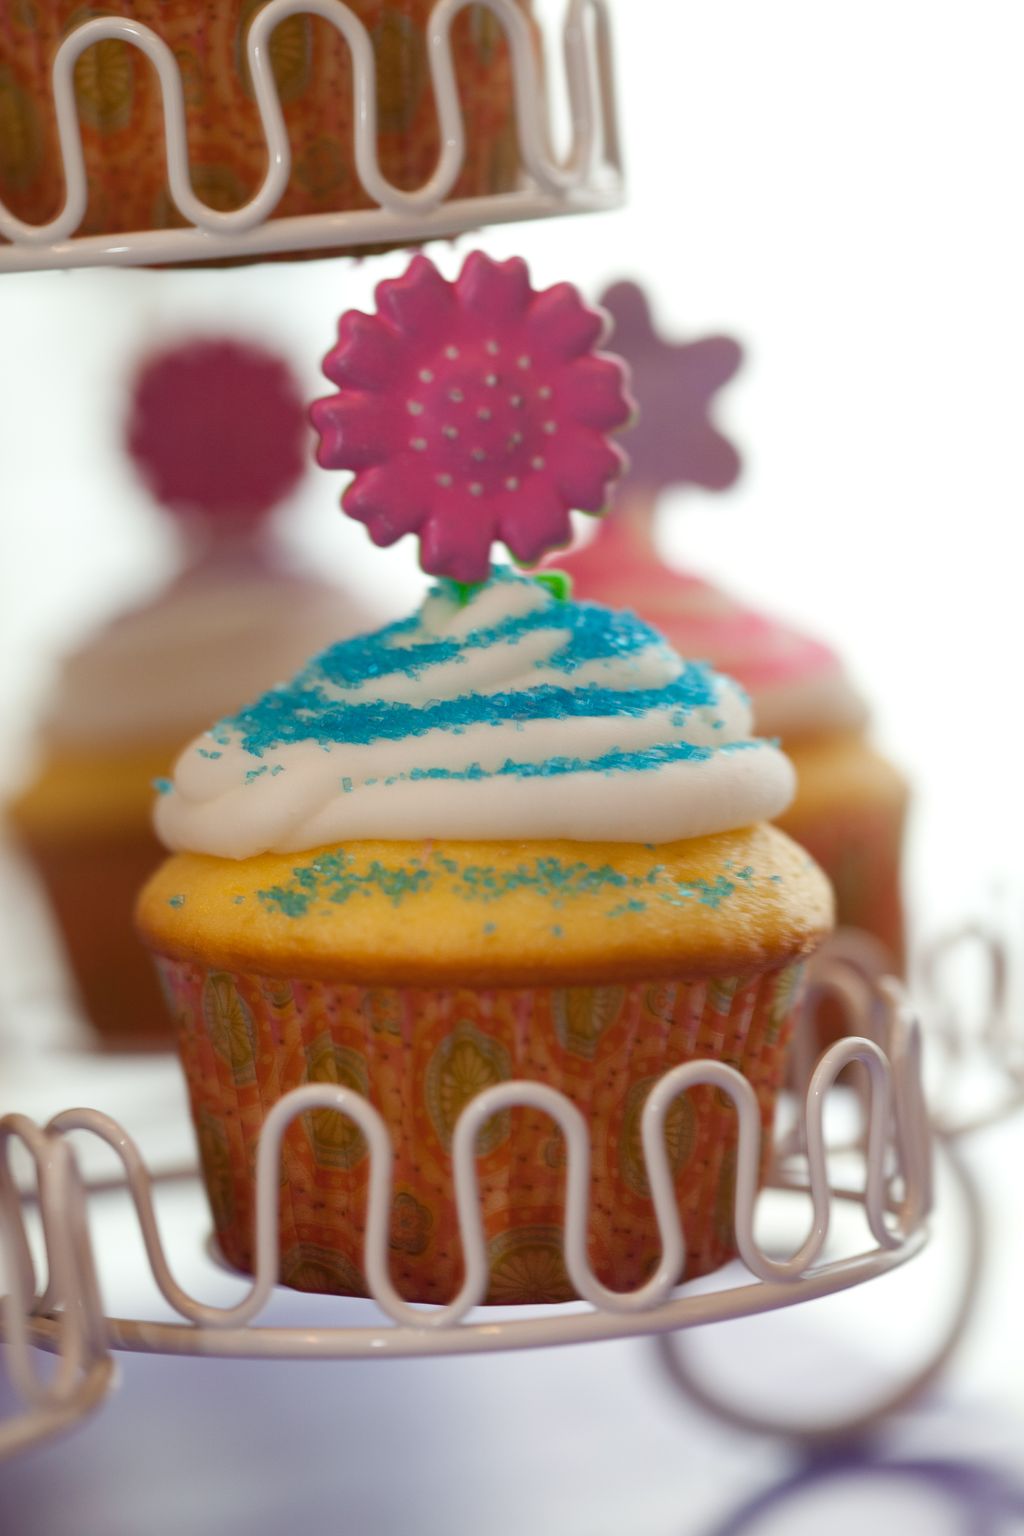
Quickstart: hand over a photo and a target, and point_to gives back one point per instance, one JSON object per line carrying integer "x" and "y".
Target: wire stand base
{"x": 66, "y": 1316}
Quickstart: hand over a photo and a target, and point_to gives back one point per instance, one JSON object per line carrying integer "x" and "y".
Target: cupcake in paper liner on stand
{"x": 217, "y": 429}
{"x": 511, "y": 836}
{"x": 850, "y": 804}
{"x": 120, "y": 109}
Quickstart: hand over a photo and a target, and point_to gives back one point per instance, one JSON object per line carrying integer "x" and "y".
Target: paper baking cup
{"x": 419, "y": 1056}
{"x": 121, "y": 115}
{"x": 92, "y": 882}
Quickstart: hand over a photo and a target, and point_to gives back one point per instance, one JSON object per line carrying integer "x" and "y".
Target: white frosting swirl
{"x": 204, "y": 645}
{"x": 511, "y": 715}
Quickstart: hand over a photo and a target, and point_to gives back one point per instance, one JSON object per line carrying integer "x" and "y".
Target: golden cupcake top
{"x": 511, "y": 913}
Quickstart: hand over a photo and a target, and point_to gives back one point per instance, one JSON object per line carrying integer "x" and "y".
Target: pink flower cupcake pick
{"x": 472, "y": 412}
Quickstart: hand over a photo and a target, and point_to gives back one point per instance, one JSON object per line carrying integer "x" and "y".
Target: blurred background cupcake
{"x": 850, "y": 805}
{"x": 217, "y": 431}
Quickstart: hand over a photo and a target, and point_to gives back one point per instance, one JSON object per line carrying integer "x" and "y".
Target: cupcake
{"x": 850, "y": 805}
{"x": 510, "y": 837}
{"x": 120, "y": 109}
{"x": 218, "y": 431}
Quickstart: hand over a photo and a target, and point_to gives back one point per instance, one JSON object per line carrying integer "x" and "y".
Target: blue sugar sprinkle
{"x": 775, "y": 879}
{"x": 290, "y": 903}
{"x": 556, "y": 931}
{"x": 594, "y": 634}
{"x": 747, "y": 873}
{"x": 292, "y": 714}
{"x": 490, "y": 928}
{"x": 712, "y": 895}
{"x": 323, "y": 705}
{"x": 204, "y": 752}
{"x": 309, "y": 708}
{"x": 238, "y": 900}
{"x": 554, "y": 767}
{"x": 333, "y": 878}
{"x": 163, "y": 786}
{"x": 176, "y": 901}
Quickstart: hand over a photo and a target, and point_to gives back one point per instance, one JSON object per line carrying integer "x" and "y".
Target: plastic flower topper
{"x": 217, "y": 429}
{"x": 471, "y": 412}
{"x": 675, "y": 441}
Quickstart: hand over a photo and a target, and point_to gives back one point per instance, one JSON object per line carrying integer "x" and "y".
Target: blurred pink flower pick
{"x": 472, "y": 412}
{"x": 217, "y": 429}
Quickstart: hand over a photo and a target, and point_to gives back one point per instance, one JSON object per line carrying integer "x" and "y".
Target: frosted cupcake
{"x": 512, "y": 836}
{"x": 850, "y": 805}
{"x": 516, "y": 838}
{"x": 218, "y": 431}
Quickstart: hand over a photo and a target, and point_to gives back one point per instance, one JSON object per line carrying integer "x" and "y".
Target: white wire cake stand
{"x": 65, "y": 1315}
{"x": 975, "y": 1081}
{"x": 587, "y": 177}
{"x": 890, "y": 1183}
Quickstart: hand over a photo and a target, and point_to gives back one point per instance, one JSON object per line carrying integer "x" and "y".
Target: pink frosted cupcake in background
{"x": 850, "y": 805}
{"x": 217, "y": 430}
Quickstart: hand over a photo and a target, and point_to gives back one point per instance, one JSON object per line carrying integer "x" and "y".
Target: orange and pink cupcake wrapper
{"x": 121, "y": 114}
{"x": 419, "y": 1055}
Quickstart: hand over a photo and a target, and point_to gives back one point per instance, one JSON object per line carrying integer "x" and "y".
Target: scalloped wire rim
{"x": 67, "y": 1315}
{"x": 589, "y": 177}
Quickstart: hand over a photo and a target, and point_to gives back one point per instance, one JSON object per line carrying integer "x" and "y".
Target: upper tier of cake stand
{"x": 587, "y": 177}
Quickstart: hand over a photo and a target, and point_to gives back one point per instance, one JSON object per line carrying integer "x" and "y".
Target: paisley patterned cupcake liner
{"x": 419, "y": 1055}
{"x": 120, "y": 109}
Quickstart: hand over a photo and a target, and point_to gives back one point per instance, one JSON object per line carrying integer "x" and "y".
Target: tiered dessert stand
{"x": 62, "y": 1312}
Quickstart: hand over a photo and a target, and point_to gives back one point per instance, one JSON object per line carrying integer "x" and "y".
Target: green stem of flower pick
{"x": 463, "y": 591}
{"x": 558, "y": 583}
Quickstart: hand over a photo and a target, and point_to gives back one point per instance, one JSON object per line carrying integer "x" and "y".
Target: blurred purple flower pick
{"x": 674, "y": 441}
